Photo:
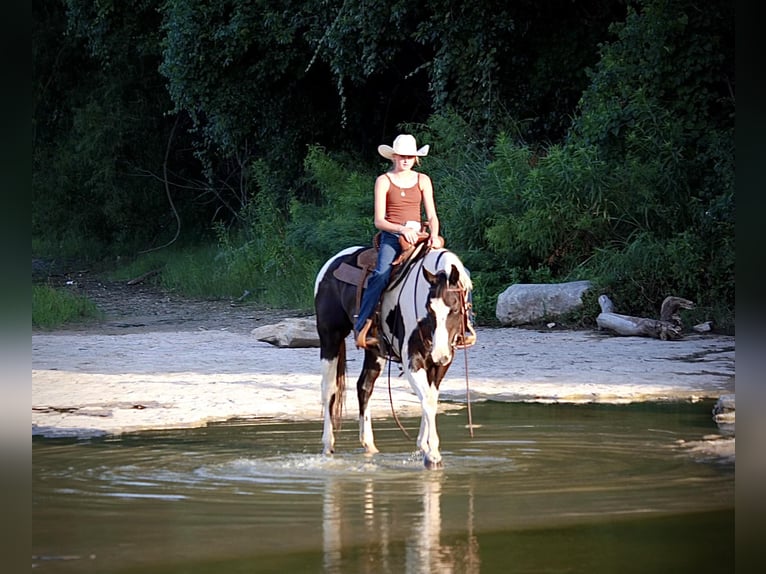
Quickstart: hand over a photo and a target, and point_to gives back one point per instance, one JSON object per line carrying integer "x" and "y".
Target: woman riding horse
{"x": 400, "y": 194}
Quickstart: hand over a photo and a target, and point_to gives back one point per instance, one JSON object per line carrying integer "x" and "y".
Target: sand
{"x": 88, "y": 384}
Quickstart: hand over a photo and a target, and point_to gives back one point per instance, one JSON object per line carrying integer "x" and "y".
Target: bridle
{"x": 465, "y": 306}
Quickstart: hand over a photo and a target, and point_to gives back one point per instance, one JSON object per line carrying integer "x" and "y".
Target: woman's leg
{"x": 376, "y": 283}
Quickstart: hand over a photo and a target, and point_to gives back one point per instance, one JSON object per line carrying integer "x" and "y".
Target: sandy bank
{"x": 86, "y": 384}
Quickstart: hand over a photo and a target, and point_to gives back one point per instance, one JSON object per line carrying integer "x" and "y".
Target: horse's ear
{"x": 430, "y": 277}
{"x": 454, "y": 275}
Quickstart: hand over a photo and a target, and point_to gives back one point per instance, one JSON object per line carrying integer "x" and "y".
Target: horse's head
{"x": 447, "y": 312}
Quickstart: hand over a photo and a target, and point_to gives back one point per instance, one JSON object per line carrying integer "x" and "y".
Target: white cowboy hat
{"x": 404, "y": 144}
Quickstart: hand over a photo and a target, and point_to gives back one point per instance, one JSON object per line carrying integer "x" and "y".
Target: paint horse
{"x": 423, "y": 318}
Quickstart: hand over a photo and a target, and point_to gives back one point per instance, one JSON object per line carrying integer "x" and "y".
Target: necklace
{"x": 403, "y": 193}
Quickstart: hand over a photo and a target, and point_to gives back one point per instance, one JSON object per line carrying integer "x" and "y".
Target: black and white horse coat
{"x": 423, "y": 314}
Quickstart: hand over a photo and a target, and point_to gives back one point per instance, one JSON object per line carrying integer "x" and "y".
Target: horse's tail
{"x": 340, "y": 387}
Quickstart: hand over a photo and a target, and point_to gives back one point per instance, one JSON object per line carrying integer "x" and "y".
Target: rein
{"x": 402, "y": 277}
{"x": 391, "y": 402}
{"x": 464, "y": 326}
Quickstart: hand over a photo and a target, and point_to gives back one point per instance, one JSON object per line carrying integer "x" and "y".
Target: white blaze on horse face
{"x": 441, "y": 353}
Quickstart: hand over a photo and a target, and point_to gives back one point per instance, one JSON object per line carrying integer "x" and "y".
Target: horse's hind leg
{"x": 329, "y": 395}
{"x": 373, "y": 365}
{"x": 333, "y": 356}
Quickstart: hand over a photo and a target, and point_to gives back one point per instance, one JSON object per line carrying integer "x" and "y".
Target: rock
{"x": 296, "y": 332}
{"x": 525, "y": 303}
{"x": 705, "y": 327}
{"x": 724, "y": 413}
{"x": 724, "y": 407}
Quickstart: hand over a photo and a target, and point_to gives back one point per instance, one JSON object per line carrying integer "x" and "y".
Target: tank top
{"x": 403, "y": 204}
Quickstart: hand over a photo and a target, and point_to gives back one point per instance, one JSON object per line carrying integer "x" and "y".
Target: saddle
{"x": 366, "y": 260}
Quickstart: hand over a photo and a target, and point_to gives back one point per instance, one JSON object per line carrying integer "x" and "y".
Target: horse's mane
{"x": 443, "y": 260}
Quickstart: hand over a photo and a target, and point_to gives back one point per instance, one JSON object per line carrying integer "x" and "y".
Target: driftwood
{"x": 144, "y": 277}
{"x": 668, "y": 327}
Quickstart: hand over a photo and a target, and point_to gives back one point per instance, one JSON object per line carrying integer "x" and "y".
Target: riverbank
{"x": 87, "y": 384}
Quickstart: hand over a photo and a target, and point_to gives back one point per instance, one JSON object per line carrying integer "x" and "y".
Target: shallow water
{"x": 540, "y": 488}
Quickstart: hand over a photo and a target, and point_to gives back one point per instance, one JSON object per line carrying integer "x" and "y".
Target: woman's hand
{"x": 435, "y": 241}
{"x": 411, "y": 235}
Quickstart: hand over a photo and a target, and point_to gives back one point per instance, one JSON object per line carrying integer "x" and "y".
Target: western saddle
{"x": 366, "y": 261}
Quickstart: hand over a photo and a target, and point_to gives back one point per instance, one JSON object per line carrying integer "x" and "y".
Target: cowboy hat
{"x": 404, "y": 144}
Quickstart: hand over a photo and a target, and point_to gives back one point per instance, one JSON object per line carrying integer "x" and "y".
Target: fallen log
{"x": 144, "y": 277}
{"x": 668, "y": 327}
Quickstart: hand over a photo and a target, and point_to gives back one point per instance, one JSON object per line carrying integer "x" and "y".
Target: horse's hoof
{"x": 433, "y": 464}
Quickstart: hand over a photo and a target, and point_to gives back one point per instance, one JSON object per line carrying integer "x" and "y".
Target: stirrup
{"x": 467, "y": 339}
{"x": 363, "y": 341}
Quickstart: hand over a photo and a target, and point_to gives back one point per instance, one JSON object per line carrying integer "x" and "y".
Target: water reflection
{"x": 426, "y": 552}
{"x": 424, "y": 549}
{"x": 543, "y": 485}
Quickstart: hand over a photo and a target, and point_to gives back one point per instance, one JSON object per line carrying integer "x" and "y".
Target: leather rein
{"x": 465, "y": 326}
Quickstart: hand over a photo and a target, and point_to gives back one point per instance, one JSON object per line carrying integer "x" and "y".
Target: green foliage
{"x": 639, "y": 198}
{"x": 52, "y": 307}
{"x": 551, "y": 159}
{"x": 100, "y": 134}
{"x": 641, "y": 272}
{"x": 259, "y": 258}
{"x": 126, "y": 268}
{"x": 238, "y": 68}
{"x": 660, "y": 113}
{"x": 228, "y": 271}
{"x": 669, "y": 55}
{"x": 203, "y": 273}
{"x": 260, "y": 80}
{"x": 256, "y": 77}
{"x": 457, "y": 164}
{"x": 661, "y": 96}
{"x": 341, "y": 214}
{"x": 84, "y": 172}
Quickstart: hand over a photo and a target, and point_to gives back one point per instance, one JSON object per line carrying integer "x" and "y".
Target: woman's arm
{"x": 428, "y": 203}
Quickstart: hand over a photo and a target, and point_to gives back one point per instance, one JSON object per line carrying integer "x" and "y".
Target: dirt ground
{"x": 142, "y": 308}
{"x": 158, "y": 360}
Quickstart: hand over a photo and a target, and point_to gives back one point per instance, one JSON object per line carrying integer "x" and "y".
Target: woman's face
{"x": 404, "y": 161}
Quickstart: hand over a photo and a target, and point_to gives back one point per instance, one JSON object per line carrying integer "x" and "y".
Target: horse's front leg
{"x": 373, "y": 365}
{"x": 428, "y": 437}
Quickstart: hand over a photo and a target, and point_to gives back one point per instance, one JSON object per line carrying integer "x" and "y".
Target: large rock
{"x": 525, "y": 303}
{"x": 724, "y": 410}
{"x": 295, "y": 332}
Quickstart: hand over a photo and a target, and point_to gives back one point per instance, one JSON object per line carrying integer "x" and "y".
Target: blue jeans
{"x": 378, "y": 279}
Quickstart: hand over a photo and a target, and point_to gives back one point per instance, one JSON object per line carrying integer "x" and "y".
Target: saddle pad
{"x": 349, "y": 274}
{"x": 367, "y": 258}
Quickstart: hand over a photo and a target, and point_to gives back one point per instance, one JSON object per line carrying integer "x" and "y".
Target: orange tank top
{"x": 403, "y": 204}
